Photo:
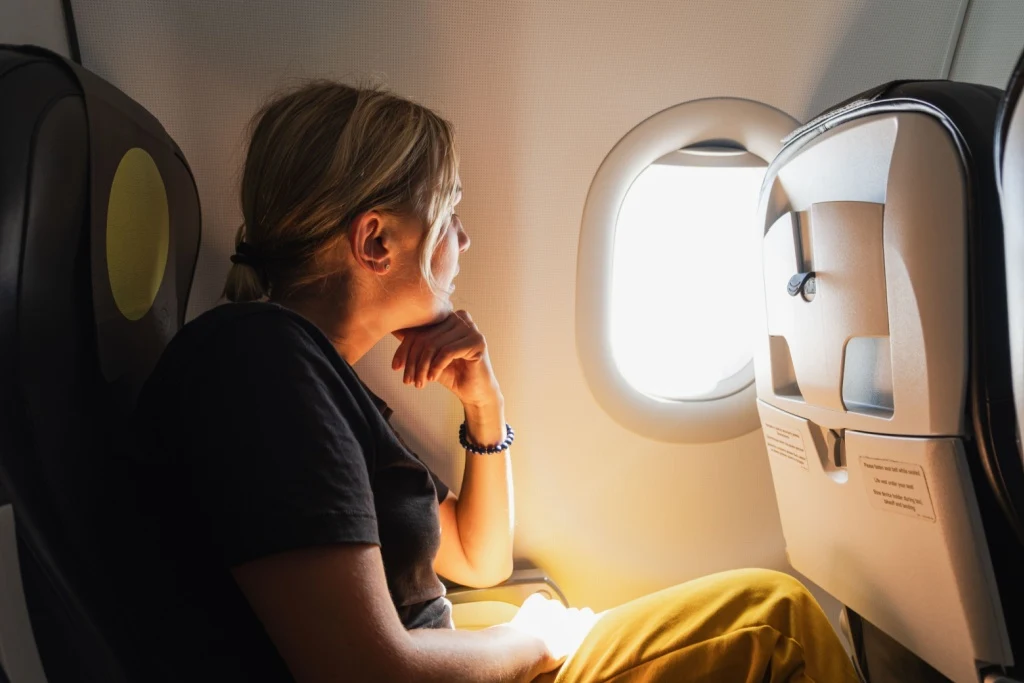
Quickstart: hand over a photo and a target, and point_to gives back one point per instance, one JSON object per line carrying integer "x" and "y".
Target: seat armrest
{"x": 523, "y": 583}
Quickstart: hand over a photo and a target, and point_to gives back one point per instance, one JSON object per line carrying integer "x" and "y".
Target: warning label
{"x": 898, "y": 487}
{"x": 785, "y": 443}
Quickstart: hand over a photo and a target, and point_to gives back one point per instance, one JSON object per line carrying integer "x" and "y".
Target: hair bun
{"x": 245, "y": 255}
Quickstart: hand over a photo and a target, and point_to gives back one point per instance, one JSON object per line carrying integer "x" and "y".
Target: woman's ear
{"x": 370, "y": 240}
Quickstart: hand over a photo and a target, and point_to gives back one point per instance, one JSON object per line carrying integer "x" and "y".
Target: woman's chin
{"x": 439, "y": 313}
{"x": 443, "y": 310}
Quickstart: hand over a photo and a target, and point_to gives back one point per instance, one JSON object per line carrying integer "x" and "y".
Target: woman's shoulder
{"x": 250, "y": 314}
{"x": 249, "y": 327}
{"x": 235, "y": 353}
{"x": 250, "y": 338}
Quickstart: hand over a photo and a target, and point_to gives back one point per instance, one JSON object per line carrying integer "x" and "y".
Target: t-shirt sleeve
{"x": 442, "y": 489}
{"x": 439, "y": 486}
{"x": 275, "y": 458}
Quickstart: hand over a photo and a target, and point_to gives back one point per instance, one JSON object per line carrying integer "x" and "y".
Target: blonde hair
{"x": 318, "y": 157}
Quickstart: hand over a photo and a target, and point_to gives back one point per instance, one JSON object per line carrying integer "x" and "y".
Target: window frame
{"x": 755, "y": 127}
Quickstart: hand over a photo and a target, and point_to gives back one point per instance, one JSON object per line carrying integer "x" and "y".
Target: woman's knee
{"x": 771, "y": 598}
{"x": 774, "y": 582}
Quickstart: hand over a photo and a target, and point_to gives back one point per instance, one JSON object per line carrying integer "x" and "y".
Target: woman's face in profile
{"x": 425, "y": 306}
{"x": 453, "y": 241}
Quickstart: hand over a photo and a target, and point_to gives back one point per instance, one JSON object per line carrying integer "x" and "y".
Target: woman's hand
{"x": 452, "y": 353}
{"x": 561, "y": 629}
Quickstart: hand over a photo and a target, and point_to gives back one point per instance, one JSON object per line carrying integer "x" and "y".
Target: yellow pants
{"x": 743, "y": 626}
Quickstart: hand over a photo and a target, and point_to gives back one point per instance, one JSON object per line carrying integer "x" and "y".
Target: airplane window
{"x": 683, "y": 269}
{"x": 667, "y": 253}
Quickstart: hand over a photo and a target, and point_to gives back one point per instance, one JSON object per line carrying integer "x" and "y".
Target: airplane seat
{"x": 99, "y": 236}
{"x": 883, "y": 379}
{"x": 1010, "y": 174}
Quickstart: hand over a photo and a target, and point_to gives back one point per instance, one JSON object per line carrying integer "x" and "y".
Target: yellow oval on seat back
{"x": 138, "y": 233}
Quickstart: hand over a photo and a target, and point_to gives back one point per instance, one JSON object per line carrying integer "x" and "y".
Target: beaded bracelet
{"x": 480, "y": 450}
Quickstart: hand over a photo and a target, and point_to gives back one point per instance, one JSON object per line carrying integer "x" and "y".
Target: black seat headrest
{"x": 99, "y": 236}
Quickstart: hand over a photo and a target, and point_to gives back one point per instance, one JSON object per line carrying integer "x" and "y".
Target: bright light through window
{"x": 683, "y": 279}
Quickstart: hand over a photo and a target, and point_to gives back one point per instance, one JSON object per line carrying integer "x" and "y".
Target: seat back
{"x": 1010, "y": 175}
{"x": 99, "y": 233}
{"x": 882, "y": 370}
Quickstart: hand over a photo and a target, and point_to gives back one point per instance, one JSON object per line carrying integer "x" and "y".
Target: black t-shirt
{"x": 255, "y": 437}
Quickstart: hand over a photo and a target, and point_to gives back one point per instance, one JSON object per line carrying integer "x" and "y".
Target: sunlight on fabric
{"x": 683, "y": 279}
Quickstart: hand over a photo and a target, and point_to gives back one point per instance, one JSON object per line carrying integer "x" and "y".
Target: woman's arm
{"x": 330, "y": 616}
{"x": 477, "y": 526}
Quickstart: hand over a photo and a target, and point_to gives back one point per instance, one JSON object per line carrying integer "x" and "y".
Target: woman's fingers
{"x": 427, "y": 369}
{"x": 411, "y": 336}
{"x": 469, "y": 344}
{"x": 562, "y": 629}
{"x": 463, "y": 342}
{"x": 418, "y": 370}
{"x": 421, "y": 344}
{"x": 399, "y": 358}
{"x": 534, "y": 604}
{"x": 406, "y": 337}
{"x": 425, "y": 353}
{"x": 468, "y": 347}
{"x": 420, "y": 348}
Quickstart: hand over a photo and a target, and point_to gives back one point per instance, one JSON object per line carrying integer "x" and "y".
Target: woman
{"x": 313, "y": 538}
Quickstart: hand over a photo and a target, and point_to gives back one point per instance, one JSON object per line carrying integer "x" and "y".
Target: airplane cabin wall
{"x": 33, "y": 22}
{"x": 539, "y": 93}
{"x": 991, "y": 42}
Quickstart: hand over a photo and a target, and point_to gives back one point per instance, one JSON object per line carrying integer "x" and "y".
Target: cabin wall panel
{"x": 33, "y": 22}
{"x": 539, "y": 93}
{"x": 991, "y": 44}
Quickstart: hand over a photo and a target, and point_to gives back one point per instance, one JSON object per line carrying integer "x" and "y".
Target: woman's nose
{"x": 463, "y": 238}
